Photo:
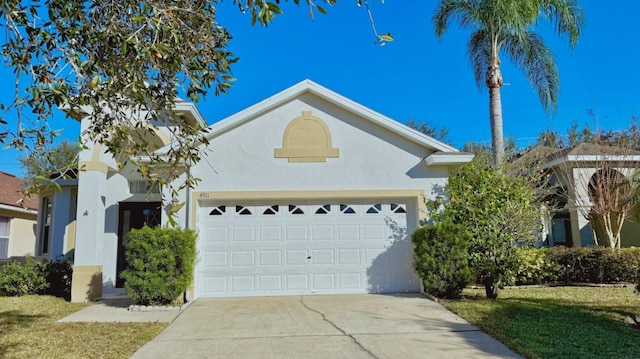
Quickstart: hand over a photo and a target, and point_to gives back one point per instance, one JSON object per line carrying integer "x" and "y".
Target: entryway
{"x": 134, "y": 215}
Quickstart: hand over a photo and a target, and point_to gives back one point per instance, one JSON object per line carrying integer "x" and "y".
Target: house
{"x": 305, "y": 192}
{"x": 575, "y": 170}
{"x": 17, "y": 218}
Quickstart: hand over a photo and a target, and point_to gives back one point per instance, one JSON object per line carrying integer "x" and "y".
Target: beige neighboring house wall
{"x": 17, "y": 219}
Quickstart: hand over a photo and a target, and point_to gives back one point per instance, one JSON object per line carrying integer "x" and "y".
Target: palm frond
{"x": 536, "y": 61}
{"x": 567, "y": 17}
{"x": 479, "y": 49}
{"x": 465, "y": 12}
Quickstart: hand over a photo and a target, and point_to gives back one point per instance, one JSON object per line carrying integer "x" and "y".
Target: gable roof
{"x": 10, "y": 195}
{"x": 308, "y": 86}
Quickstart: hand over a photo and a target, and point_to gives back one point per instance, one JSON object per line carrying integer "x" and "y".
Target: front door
{"x": 134, "y": 215}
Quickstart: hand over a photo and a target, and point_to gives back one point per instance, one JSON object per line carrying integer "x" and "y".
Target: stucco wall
{"x": 370, "y": 157}
{"x": 22, "y": 237}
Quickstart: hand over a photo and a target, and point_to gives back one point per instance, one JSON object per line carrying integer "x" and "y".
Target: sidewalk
{"x": 113, "y": 308}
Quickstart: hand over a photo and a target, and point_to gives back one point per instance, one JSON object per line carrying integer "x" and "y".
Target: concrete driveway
{"x": 321, "y": 326}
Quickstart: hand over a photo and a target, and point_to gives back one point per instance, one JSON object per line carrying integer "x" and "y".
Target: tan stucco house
{"x": 572, "y": 171}
{"x": 17, "y": 218}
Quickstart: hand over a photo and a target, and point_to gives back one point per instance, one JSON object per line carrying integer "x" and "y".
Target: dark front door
{"x": 133, "y": 215}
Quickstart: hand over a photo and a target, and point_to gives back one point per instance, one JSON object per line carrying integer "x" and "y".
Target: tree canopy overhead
{"x": 122, "y": 64}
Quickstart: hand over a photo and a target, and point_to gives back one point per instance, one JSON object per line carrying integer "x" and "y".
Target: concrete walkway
{"x": 114, "y": 309}
{"x": 308, "y": 327}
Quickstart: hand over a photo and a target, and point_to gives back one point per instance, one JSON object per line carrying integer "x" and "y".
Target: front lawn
{"x": 28, "y": 329}
{"x": 557, "y": 322}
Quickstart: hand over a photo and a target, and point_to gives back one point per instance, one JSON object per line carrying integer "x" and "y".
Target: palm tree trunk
{"x": 495, "y": 113}
{"x": 494, "y": 82}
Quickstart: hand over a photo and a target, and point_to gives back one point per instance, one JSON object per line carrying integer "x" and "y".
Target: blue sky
{"x": 417, "y": 76}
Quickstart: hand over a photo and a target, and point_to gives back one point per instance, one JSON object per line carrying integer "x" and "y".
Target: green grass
{"x": 28, "y": 329}
{"x": 557, "y": 322}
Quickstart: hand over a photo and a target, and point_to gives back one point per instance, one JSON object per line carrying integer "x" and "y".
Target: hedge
{"x": 582, "y": 264}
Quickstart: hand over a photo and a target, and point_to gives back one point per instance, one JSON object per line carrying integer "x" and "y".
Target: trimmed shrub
{"x": 160, "y": 264}
{"x": 30, "y": 277}
{"x": 58, "y": 276}
{"x": 534, "y": 267}
{"x": 441, "y": 258}
{"x": 595, "y": 264}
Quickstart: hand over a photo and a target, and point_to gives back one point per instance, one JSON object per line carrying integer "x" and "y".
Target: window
{"x": 376, "y": 208}
{"x": 143, "y": 187}
{"x": 271, "y": 210}
{"x": 324, "y": 209}
{"x": 45, "y": 232}
{"x": 4, "y": 237}
{"x": 243, "y": 211}
{"x": 218, "y": 211}
{"x": 397, "y": 208}
{"x": 346, "y": 209}
{"x": 293, "y": 209}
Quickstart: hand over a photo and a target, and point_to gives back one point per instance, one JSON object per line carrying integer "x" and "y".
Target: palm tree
{"x": 505, "y": 27}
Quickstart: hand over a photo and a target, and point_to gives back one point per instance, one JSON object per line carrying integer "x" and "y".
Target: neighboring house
{"x": 574, "y": 169}
{"x": 17, "y": 218}
{"x": 305, "y": 192}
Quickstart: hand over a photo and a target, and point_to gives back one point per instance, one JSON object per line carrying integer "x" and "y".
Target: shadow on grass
{"x": 555, "y": 328}
{"x": 15, "y": 320}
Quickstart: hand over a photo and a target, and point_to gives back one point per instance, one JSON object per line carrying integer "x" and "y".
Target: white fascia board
{"x": 332, "y": 97}
{"x": 592, "y": 158}
{"x": 190, "y": 107}
{"x": 18, "y": 209}
{"x": 448, "y": 158}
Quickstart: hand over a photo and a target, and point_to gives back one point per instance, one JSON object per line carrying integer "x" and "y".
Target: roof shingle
{"x": 10, "y": 195}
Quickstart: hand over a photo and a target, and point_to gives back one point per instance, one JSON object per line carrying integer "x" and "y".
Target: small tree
{"x": 602, "y": 182}
{"x": 57, "y": 160}
{"x": 501, "y": 210}
{"x": 441, "y": 258}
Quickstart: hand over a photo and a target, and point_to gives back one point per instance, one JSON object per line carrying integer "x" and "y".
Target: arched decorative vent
{"x": 307, "y": 139}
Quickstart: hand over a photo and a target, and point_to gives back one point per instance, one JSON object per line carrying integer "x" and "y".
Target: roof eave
{"x": 448, "y": 159}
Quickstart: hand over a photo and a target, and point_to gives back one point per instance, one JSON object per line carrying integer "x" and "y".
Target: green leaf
{"x": 386, "y": 37}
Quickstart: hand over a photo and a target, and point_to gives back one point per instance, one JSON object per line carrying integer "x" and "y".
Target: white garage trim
{"x": 205, "y": 201}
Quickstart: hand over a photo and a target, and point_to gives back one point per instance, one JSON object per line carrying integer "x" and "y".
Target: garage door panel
{"x": 214, "y": 259}
{"x": 304, "y": 249}
{"x": 297, "y": 257}
{"x": 297, "y": 282}
{"x": 215, "y": 285}
{"x": 324, "y": 281}
{"x": 348, "y": 256}
{"x": 215, "y": 235}
{"x": 271, "y": 234}
{"x": 271, "y": 283}
{"x": 297, "y": 233}
{"x": 351, "y": 281}
{"x": 322, "y": 233}
{"x": 243, "y": 259}
{"x": 348, "y": 232}
{"x": 374, "y": 232}
{"x": 270, "y": 258}
{"x": 323, "y": 257}
{"x": 243, "y": 284}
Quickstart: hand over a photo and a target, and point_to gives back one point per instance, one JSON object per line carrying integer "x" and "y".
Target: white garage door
{"x": 285, "y": 249}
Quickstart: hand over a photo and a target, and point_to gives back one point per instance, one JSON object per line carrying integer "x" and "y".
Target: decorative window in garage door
{"x": 325, "y": 209}
{"x": 218, "y": 211}
{"x": 271, "y": 210}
